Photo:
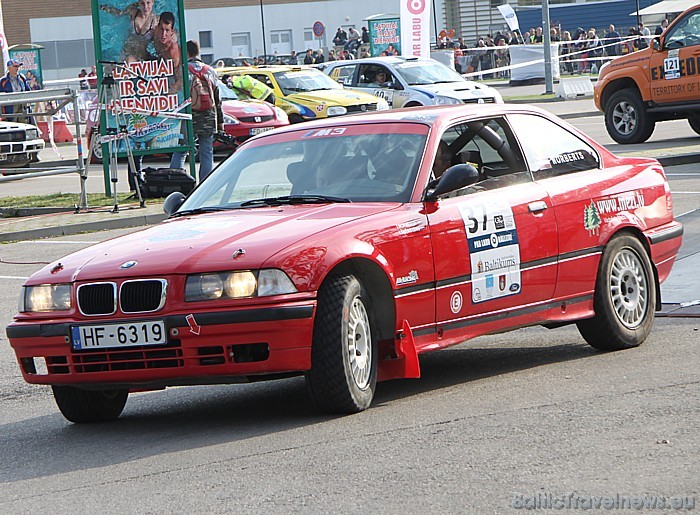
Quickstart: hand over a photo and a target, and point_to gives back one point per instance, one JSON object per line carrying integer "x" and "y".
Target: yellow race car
{"x": 306, "y": 93}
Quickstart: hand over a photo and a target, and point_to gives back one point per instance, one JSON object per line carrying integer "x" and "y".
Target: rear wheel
{"x": 625, "y": 296}
{"x": 626, "y": 118}
{"x": 86, "y": 406}
{"x": 343, "y": 375}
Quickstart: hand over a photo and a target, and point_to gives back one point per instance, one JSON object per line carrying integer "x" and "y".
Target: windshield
{"x": 304, "y": 80}
{"x": 226, "y": 93}
{"x": 359, "y": 163}
{"x": 421, "y": 72}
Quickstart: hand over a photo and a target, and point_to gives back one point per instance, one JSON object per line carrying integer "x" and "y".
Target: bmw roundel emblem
{"x": 128, "y": 264}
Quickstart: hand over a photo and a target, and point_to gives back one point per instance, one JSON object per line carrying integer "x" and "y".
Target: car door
{"x": 568, "y": 168}
{"x": 674, "y": 69}
{"x": 494, "y": 243}
{"x": 367, "y": 83}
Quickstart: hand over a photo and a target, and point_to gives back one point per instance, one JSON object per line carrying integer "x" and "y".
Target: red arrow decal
{"x": 194, "y": 328}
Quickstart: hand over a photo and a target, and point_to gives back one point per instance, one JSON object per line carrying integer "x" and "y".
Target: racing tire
{"x": 624, "y": 299}
{"x": 694, "y": 122}
{"x": 626, "y": 118}
{"x": 343, "y": 374}
{"x": 89, "y": 406}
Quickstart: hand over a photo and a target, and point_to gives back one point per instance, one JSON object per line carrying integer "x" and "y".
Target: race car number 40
{"x": 118, "y": 335}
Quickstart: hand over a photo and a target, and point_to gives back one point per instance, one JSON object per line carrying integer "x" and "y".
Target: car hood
{"x": 244, "y": 108}
{"x": 333, "y": 97}
{"x": 205, "y": 242}
{"x": 461, "y": 90}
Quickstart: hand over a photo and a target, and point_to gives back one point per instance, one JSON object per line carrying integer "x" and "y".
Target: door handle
{"x": 536, "y": 207}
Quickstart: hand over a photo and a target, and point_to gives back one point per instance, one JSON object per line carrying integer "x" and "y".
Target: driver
{"x": 380, "y": 78}
{"x": 443, "y": 160}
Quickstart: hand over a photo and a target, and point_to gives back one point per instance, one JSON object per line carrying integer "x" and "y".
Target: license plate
{"x": 112, "y": 336}
{"x": 259, "y": 130}
{"x": 3, "y": 157}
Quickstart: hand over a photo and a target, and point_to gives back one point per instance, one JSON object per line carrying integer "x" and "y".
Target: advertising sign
{"x": 384, "y": 35}
{"x": 140, "y": 48}
{"x": 31, "y": 63}
{"x": 415, "y": 28}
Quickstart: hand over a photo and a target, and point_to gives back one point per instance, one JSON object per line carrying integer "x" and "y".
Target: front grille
{"x": 142, "y": 296}
{"x": 362, "y": 108}
{"x": 12, "y": 136}
{"x": 132, "y": 359}
{"x": 486, "y": 100}
{"x": 255, "y": 119}
{"x": 97, "y": 299}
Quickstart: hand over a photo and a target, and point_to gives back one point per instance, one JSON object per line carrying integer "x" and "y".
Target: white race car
{"x": 20, "y": 144}
{"x": 410, "y": 81}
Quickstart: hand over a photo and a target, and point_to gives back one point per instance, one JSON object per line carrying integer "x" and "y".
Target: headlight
{"x": 382, "y": 105}
{"x": 45, "y": 297}
{"x": 336, "y": 111}
{"x": 237, "y": 285}
{"x": 230, "y": 119}
{"x": 32, "y": 134}
{"x": 281, "y": 115}
{"x": 439, "y": 100}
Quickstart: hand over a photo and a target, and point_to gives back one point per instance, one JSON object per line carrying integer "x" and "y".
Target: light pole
{"x": 262, "y": 20}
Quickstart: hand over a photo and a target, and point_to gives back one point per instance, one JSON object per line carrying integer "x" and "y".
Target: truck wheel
{"x": 626, "y": 118}
{"x": 86, "y": 406}
{"x": 694, "y": 122}
{"x": 343, "y": 373}
{"x": 625, "y": 297}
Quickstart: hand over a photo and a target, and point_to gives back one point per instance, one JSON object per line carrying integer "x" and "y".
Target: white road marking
{"x": 13, "y": 277}
{"x": 58, "y": 242}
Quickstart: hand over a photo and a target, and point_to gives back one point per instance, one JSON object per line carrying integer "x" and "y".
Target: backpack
{"x": 201, "y": 92}
{"x": 161, "y": 182}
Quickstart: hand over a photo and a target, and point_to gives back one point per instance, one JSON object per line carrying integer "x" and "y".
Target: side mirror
{"x": 656, "y": 43}
{"x": 454, "y": 178}
{"x": 173, "y": 202}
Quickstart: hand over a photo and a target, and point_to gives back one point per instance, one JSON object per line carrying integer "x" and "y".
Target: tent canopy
{"x": 666, "y": 7}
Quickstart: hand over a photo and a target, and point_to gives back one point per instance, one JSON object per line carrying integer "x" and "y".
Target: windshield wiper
{"x": 197, "y": 211}
{"x": 293, "y": 199}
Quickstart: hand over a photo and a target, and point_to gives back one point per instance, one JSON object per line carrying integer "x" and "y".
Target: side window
{"x": 366, "y": 75}
{"x": 343, "y": 74}
{"x": 563, "y": 152}
{"x": 490, "y": 147}
{"x": 684, "y": 33}
{"x": 264, "y": 79}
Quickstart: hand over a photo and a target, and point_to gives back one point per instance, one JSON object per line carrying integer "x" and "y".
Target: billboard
{"x": 30, "y": 57}
{"x": 141, "y": 55}
{"x": 384, "y": 35}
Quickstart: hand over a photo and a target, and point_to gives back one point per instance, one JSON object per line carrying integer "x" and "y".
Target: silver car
{"x": 410, "y": 81}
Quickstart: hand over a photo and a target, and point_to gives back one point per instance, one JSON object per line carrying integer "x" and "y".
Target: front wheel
{"x": 343, "y": 373}
{"x": 87, "y": 406}
{"x": 626, "y": 118}
{"x": 694, "y": 122}
{"x": 625, "y": 297}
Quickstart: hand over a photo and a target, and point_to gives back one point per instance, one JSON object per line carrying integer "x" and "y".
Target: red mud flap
{"x": 406, "y": 365}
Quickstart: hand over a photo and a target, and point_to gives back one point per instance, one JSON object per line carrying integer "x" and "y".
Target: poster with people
{"x": 31, "y": 64}
{"x": 139, "y": 49}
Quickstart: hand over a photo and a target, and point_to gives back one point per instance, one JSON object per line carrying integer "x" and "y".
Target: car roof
{"x": 392, "y": 59}
{"x": 271, "y": 68}
{"x": 434, "y": 116}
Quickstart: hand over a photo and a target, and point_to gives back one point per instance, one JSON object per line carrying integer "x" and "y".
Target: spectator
{"x": 309, "y": 57}
{"x": 612, "y": 41}
{"x": 515, "y": 38}
{"x": 538, "y": 37}
{"x": 554, "y": 35}
{"x": 83, "y": 83}
{"x": 566, "y": 48}
{"x": 319, "y": 57}
{"x": 347, "y": 55}
{"x": 631, "y": 44}
{"x": 340, "y": 38}
{"x": 294, "y": 59}
{"x": 644, "y": 35}
{"x": 14, "y": 82}
{"x": 365, "y": 36}
{"x": 92, "y": 77}
{"x": 364, "y": 53}
{"x": 204, "y": 123}
{"x": 354, "y": 39}
{"x": 595, "y": 50}
{"x": 659, "y": 30}
{"x": 458, "y": 55}
{"x": 331, "y": 55}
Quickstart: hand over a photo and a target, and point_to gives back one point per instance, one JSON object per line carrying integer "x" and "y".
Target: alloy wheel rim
{"x": 624, "y": 118}
{"x": 628, "y": 288}
{"x": 359, "y": 343}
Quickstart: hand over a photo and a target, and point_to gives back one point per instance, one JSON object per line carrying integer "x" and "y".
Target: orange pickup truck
{"x": 661, "y": 82}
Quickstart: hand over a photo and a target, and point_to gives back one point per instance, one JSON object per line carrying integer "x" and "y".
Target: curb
{"x": 68, "y": 230}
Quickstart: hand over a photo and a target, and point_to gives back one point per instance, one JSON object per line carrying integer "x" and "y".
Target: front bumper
{"x": 212, "y": 347}
{"x": 18, "y": 153}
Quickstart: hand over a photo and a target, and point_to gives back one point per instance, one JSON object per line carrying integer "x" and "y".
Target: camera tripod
{"x": 109, "y": 97}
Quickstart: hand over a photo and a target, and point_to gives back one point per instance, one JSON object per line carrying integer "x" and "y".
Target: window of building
{"x": 205, "y": 39}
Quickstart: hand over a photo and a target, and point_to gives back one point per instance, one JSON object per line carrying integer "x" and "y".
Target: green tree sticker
{"x": 591, "y": 219}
